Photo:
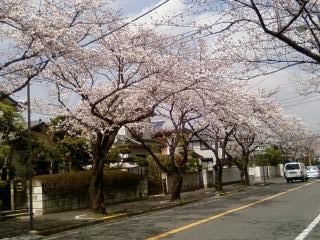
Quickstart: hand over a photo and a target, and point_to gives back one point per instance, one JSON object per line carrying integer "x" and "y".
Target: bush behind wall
{"x": 78, "y": 183}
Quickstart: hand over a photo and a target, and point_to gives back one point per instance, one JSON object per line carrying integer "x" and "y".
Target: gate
{"x": 19, "y": 193}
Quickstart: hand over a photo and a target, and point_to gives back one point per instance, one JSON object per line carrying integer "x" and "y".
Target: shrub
{"x": 78, "y": 182}
{"x": 75, "y": 182}
{"x": 115, "y": 179}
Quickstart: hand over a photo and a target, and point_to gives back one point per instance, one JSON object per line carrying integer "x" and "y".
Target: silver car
{"x": 313, "y": 171}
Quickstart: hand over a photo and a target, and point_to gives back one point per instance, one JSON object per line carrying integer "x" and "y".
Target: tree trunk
{"x": 176, "y": 187}
{"x": 218, "y": 169}
{"x": 100, "y": 148}
{"x": 245, "y": 175}
{"x": 97, "y": 203}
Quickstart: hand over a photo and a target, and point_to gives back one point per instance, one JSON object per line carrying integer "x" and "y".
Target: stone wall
{"x": 56, "y": 202}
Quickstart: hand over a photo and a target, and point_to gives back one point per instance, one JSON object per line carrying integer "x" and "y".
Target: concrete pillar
{"x": 205, "y": 178}
{"x": 281, "y": 169}
{"x": 37, "y": 198}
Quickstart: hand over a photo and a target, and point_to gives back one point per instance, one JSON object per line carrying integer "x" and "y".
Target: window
{"x": 292, "y": 166}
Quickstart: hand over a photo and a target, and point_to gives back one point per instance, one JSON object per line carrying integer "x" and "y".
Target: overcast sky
{"x": 285, "y": 81}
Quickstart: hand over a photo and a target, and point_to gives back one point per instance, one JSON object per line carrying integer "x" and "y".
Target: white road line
{"x": 308, "y": 229}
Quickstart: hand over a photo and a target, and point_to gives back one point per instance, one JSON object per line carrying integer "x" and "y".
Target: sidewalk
{"x": 57, "y": 222}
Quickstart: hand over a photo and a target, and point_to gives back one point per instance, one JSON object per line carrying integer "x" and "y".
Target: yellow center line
{"x": 174, "y": 231}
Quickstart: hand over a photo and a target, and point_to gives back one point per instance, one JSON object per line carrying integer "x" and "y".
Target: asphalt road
{"x": 277, "y": 211}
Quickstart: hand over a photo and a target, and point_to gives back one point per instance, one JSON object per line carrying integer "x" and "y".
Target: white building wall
{"x": 205, "y": 154}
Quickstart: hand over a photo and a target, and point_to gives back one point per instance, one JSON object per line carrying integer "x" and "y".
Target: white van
{"x": 295, "y": 171}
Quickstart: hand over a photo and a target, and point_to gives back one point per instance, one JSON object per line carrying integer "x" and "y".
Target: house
{"x": 41, "y": 131}
{"x": 207, "y": 159}
{"x": 131, "y": 153}
{"x": 8, "y": 100}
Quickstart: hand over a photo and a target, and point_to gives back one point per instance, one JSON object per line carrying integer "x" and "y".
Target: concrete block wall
{"x": 210, "y": 178}
{"x": 56, "y": 202}
{"x": 273, "y": 171}
{"x": 126, "y": 195}
{"x": 191, "y": 181}
{"x": 195, "y": 180}
{"x": 231, "y": 174}
{"x": 261, "y": 172}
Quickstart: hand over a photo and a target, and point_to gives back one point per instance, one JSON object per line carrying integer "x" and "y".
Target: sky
{"x": 285, "y": 82}
{"x": 305, "y": 107}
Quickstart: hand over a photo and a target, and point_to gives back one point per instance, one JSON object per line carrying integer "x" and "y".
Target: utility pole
{"x": 30, "y": 159}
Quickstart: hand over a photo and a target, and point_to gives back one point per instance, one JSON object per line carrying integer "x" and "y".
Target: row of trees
{"x": 233, "y": 125}
{"x": 104, "y": 74}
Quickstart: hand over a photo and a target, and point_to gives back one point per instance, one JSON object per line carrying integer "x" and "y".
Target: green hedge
{"x": 115, "y": 179}
{"x": 79, "y": 182}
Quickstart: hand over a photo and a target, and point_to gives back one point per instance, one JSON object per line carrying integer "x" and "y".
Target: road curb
{"x": 50, "y": 231}
{"x": 47, "y": 232}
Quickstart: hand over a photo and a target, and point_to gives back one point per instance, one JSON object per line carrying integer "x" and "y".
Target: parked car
{"x": 313, "y": 171}
{"x": 295, "y": 171}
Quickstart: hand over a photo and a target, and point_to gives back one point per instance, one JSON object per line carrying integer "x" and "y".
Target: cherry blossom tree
{"x": 177, "y": 113}
{"x": 289, "y": 137}
{"x": 35, "y": 33}
{"x": 118, "y": 81}
{"x": 310, "y": 148}
{"x": 180, "y": 114}
{"x": 294, "y": 23}
{"x": 268, "y": 36}
{"x": 265, "y": 125}
{"x": 216, "y": 137}
{"x": 246, "y": 145}
{"x": 219, "y": 118}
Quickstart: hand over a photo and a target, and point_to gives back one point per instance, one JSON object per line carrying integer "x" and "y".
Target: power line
{"x": 126, "y": 24}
